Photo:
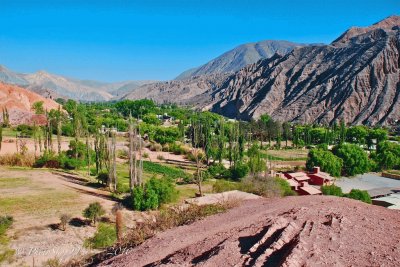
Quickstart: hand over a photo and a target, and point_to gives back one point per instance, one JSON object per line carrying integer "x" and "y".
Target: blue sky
{"x": 138, "y": 40}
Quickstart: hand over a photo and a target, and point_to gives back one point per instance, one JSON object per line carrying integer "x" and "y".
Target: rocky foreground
{"x": 293, "y": 231}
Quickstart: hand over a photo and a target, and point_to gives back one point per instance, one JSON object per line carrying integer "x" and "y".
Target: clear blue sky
{"x": 133, "y": 40}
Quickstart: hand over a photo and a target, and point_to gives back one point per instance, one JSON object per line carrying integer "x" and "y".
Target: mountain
{"x": 239, "y": 57}
{"x": 355, "y": 79}
{"x": 18, "y": 101}
{"x": 54, "y": 86}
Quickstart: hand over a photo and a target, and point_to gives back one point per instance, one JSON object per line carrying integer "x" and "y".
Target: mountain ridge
{"x": 240, "y": 56}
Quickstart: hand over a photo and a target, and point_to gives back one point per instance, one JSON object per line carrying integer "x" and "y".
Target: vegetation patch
{"x": 6, "y": 183}
{"x": 105, "y": 236}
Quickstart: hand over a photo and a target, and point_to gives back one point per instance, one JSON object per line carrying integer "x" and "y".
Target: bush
{"x": 156, "y": 147}
{"x": 239, "y": 171}
{"x": 332, "y": 190}
{"x": 217, "y": 170}
{"x": 154, "y": 193}
{"x": 93, "y": 212}
{"x": 224, "y": 185}
{"x": 47, "y": 160}
{"x": 25, "y": 130}
{"x": 160, "y": 157}
{"x": 102, "y": 177}
{"x": 55, "y": 262}
{"x": 122, "y": 154}
{"x": 64, "y": 219}
{"x": 5, "y": 223}
{"x": 105, "y": 236}
{"x": 16, "y": 159}
{"x": 359, "y": 195}
{"x": 266, "y": 186}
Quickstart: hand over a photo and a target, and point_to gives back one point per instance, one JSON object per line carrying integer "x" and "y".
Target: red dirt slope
{"x": 19, "y": 101}
{"x": 293, "y": 231}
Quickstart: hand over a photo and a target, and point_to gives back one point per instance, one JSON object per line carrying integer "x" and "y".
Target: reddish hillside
{"x": 292, "y": 231}
{"x": 19, "y": 101}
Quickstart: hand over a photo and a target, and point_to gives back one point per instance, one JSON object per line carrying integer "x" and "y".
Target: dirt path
{"x": 294, "y": 231}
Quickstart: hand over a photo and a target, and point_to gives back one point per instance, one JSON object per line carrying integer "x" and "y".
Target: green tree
{"x": 388, "y": 155}
{"x": 38, "y": 107}
{"x": 93, "y": 212}
{"x": 355, "y": 160}
{"x": 326, "y": 160}
{"x": 256, "y": 163}
{"x": 357, "y": 134}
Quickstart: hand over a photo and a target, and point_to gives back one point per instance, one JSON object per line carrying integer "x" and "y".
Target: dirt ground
{"x": 36, "y": 199}
{"x": 292, "y": 231}
{"x": 8, "y": 146}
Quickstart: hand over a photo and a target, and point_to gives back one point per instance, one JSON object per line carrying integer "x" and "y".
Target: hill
{"x": 293, "y": 231}
{"x": 19, "y": 101}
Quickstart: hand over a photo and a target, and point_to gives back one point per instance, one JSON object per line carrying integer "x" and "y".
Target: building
{"x": 317, "y": 177}
{"x": 307, "y": 183}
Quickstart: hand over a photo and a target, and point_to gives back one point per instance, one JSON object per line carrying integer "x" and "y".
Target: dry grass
{"x": 15, "y": 159}
{"x": 7, "y": 183}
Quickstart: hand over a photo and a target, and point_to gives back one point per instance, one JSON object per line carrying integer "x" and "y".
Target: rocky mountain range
{"x": 54, "y": 86}
{"x": 240, "y": 56}
{"x": 356, "y": 78}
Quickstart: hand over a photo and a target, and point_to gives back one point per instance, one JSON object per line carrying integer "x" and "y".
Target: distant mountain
{"x": 54, "y": 86}
{"x": 180, "y": 91}
{"x": 356, "y": 79}
{"x": 19, "y": 101}
{"x": 241, "y": 56}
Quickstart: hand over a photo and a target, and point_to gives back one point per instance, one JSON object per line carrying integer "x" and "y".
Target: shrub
{"x": 217, "y": 170}
{"x": 154, "y": 193}
{"x": 332, "y": 190}
{"x": 223, "y": 186}
{"x": 25, "y": 130}
{"x": 122, "y": 154}
{"x": 138, "y": 198}
{"x": 105, "y": 236}
{"x": 102, "y": 177}
{"x": 55, "y": 262}
{"x": 156, "y": 147}
{"x": 359, "y": 195}
{"x": 64, "y": 219}
{"x": 160, "y": 157}
{"x": 93, "y": 212}
{"x": 5, "y": 223}
{"x": 265, "y": 186}
{"x": 239, "y": 171}
{"x": 47, "y": 160}
{"x": 145, "y": 155}
{"x": 16, "y": 159}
